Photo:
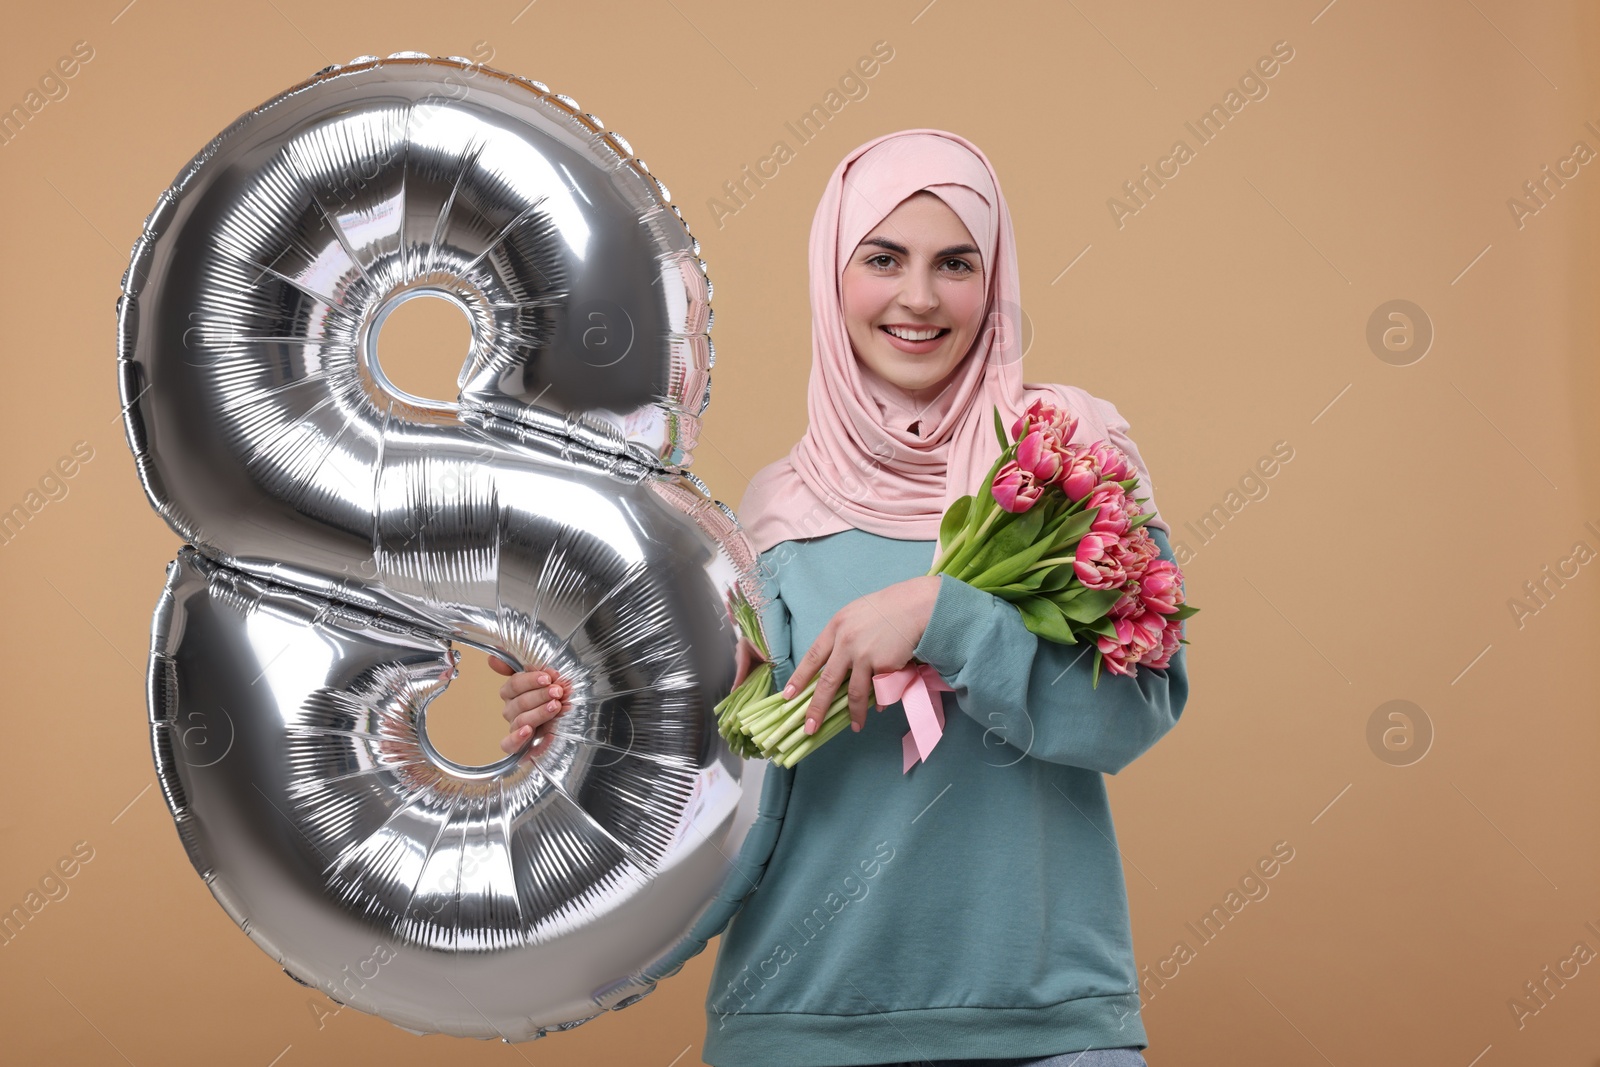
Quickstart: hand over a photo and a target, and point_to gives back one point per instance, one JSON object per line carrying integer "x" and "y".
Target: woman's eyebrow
{"x": 953, "y": 250}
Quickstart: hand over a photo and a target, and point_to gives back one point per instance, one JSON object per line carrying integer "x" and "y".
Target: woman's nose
{"x": 918, "y": 293}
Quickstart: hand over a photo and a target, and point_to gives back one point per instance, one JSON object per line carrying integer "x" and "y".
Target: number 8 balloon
{"x": 343, "y": 535}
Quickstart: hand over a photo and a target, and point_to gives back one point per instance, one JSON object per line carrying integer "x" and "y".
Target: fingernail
{"x": 553, "y": 705}
{"x": 543, "y": 678}
{"x": 788, "y": 690}
{"x": 555, "y": 690}
{"x": 523, "y": 732}
{"x": 811, "y": 727}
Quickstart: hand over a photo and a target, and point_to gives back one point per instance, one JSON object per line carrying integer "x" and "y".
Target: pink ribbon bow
{"x": 915, "y": 684}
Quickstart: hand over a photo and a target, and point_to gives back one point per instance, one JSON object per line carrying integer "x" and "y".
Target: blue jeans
{"x": 1100, "y": 1057}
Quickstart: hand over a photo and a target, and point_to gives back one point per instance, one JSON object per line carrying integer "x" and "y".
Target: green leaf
{"x": 1076, "y": 525}
{"x": 1006, "y": 453}
{"x": 1025, "y": 530}
{"x": 1090, "y": 606}
{"x": 1057, "y": 578}
{"x": 990, "y": 550}
{"x": 1184, "y": 611}
{"x": 984, "y": 500}
{"x": 955, "y": 517}
{"x": 1005, "y": 540}
{"x": 1104, "y": 627}
{"x": 1009, "y": 570}
{"x": 1056, "y": 508}
{"x": 1027, "y": 585}
{"x": 1045, "y": 619}
{"x": 1095, "y": 683}
{"x": 1000, "y": 429}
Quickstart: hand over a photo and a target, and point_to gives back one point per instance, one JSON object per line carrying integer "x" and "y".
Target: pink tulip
{"x": 1078, "y": 475}
{"x": 1160, "y": 587}
{"x": 1112, "y": 462}
{"x": 1047, "y": 414}
{"x": 1120, "y": 654}
{"x": 1096, "y": 562}
{"x": 1127, "y": 553}
{"x": 1014, "y": 488}
{"x": 1160, "y": 656}
{"x": 1148, "y": 627}
{"x": 1129, "y": 604}
{"x": 1038, "y": 455}
{"x": 1139, "y": 638}
{"x": 1110, "y": 498}
{"x": 1138, "y": 550}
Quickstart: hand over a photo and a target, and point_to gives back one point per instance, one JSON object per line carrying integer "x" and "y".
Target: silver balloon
{"x": 343, "y": 535}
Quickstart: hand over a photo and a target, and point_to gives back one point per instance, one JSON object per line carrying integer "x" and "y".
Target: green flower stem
{"x": 963, "y": 557}
{"x": 773, "y": 736}
{"x": 777, "y": 726}
{"x": 967, "y": 540}
{"x": 750, "y": 627}
{"x": 961, "y": 538}
{"x": 832, "y": 725}
{"x": 772, "y": 713}
{"x": 755, "y": 687}
{"x": 839, "y": 708}
{"x": 759, "y": 680}
{"x": 762, "y": 717}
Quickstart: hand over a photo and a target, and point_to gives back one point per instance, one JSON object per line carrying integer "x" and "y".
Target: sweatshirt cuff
{"x": 959, "y": 612}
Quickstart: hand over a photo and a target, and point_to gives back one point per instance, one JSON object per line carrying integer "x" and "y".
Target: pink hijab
{"x": 859, "y": 465}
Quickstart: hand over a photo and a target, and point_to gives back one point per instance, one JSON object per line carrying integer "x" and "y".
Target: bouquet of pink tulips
{"x": 1053, "y": 530}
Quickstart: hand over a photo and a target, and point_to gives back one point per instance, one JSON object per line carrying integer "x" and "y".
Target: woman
{"x": 971, "y": 909}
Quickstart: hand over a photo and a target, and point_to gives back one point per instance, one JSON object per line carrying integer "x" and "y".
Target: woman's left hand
{"x": 869, "y": 635}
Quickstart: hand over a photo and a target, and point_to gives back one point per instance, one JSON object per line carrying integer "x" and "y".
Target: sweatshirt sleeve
{"x": 775, "y": 617}
{"x": 1035, "y": 694}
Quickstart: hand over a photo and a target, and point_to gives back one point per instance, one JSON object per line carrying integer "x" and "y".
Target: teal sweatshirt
{"x": 972, "y": 908}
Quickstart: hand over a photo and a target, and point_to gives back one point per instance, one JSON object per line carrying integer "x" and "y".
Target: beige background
{"x": 1228, "y": 314}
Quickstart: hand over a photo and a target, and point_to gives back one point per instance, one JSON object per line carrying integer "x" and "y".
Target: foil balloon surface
{"x": 344, "y": 537}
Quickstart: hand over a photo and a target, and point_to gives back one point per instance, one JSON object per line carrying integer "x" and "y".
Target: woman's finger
{"x": 519, "y": 736}
{"x": 534, "y": 698}
{"x": 541, "y": 735}
{"x": 536, "y": 717}
{"x": 523, "y": 681}
{"x": 500, "y": 666}
{"x": 828, "y": 681}
{"x": 860, "y": 695}
{"x": 533, "y": 720}
{"x": 513, "y": 741}
{"x": 819, "y": 652}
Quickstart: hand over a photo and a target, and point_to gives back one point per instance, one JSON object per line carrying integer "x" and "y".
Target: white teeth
{"x": 913, "y": 335}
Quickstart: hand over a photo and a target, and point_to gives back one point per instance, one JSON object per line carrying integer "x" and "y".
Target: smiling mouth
{"x": 916, "y": 340}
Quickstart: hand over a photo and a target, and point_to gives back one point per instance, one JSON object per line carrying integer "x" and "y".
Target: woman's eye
{"x": 960, "y": 266}
{"x": 882, "y": 259}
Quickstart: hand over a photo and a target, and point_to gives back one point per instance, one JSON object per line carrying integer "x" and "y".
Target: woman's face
{"x": 918, "y": 274}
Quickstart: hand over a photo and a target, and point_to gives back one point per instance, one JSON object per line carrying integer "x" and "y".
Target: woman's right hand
{"x": 533, "y": 700}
